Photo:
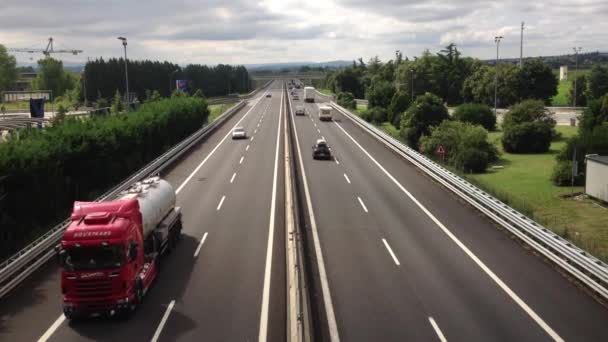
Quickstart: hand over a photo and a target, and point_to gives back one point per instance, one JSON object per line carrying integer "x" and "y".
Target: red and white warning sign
{"x": 440, "y": 150}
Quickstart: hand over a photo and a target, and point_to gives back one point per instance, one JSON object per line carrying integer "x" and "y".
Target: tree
{"x": 8, "y": 70}
{"x": 594, "y": 115}
{"x": 581, "y": 87}
{"x": 476, "y": 113}
{"x": 537, "y": 81}
{"x": 466, "y": 145}
{"x": 346, "y": 100}
{"x": 528, "y": 128}
{"x": 380, "y": 93}
{"x": 399, "y": 104}
{"x": 427, "y": 111}
{"x": 527, "y": 137}
{"x": 479, "y": 86}
{"x": 376, "y": 115}
{"x": 51, "y": 76}
{"x": 349, "y": 80}
{"x": 117, "y": 103}
{"x": 597, "y": 82}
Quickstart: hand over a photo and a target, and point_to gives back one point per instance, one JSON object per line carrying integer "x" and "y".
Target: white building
{"x": 563, "y": 72}
{"x": 596, "y": 182}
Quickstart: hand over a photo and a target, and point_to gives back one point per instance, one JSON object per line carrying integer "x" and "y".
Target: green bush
{"x": 466, "y": 146}
{"x": 477, "y": 114}
{"x": 471, "y": 160}
{"x": 562, "y": 173}
{"x": 527, "y": 137}
{"x": 377, "y": 115}
{"x": 346, "y": 100}
{"x": 45, "y": 171}
{"x": 528, "y": 111}
{"x": 427, "y": 111}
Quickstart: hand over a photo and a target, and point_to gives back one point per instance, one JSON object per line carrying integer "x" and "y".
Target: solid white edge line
{"x": 347, "y": 179}
{"x": 362, "y": 204}
{"x": 241, "y": 161}
{"x": 163, "y": 321}
{"x": 219, "y": 206}
{"x": 437, "y": 330}
{"x": 263, "y": 333}
{"x": 51, "y": 330}
{"x": 217, "y": 146}
{"x": 327, "y": 301}
{"x": 390, "y": 251}
{"x": 464, "y": 248}
{"x": 200, "y": 245}
{"x": 232, "y": 178}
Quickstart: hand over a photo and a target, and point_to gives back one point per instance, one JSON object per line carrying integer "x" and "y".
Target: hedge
{"x": 42, "y": 172}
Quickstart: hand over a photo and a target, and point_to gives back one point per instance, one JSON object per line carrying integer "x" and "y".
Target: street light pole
{"x": 497, "y": 41}
{"x": 412, "y": 77}
{"x": 124, "y": 44}
{"x": 576, "y": 51}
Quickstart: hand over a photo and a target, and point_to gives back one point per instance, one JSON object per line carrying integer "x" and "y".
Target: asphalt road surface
{"x": 211, "y": 287}
{"x": 405, "y": 260}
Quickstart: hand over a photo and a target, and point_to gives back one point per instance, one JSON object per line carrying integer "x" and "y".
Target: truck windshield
{"x": 94, "y": 258}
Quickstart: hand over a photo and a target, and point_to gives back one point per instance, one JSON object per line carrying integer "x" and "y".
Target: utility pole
{"x": 521, "y": 46}
{"x": 84, "y": 83}
{"x": 576, "y": 51}
{"x": 124, "y": 44}
{"x": 412, "y": 77}
{"x": 497, "y": 41}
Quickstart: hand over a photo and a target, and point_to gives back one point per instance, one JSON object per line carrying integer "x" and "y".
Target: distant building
{"x": 563, "y": 72}
{"x": 24, "y": 82}
{"x": 596, "y": 182}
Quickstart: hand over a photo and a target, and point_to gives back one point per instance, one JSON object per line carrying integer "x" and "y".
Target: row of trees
{"x": 590, "y": 86}
{"x": 455, "y": 79}
{"x": 43, "y": 171}
{"x": 103, "y": 77}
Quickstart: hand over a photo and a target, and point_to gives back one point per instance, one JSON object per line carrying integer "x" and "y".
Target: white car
{"x": 239, "y": 133}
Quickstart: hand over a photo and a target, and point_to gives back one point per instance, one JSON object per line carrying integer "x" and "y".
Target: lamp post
{"x": 576, "y": 51}
{"x": 124, "y": 44}
{"x": 497, "y": 41}
{"x": 413, "y": 72}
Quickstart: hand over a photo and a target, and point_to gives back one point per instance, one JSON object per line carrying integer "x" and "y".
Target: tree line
{"x": 413, "y": 96}
{"x": 103, "y": 78}
{"x": 42, "y": 172}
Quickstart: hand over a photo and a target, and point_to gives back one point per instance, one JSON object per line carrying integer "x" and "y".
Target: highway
{"x": 226, "y": 280}
{"x": 392, "y": 255}
{"x": 405, "y": 260}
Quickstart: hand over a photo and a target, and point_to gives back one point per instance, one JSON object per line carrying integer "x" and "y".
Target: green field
{"x": 216, "y": 110}
{"x": 524, "y": 182}
{"x": 361, "y": 108}
{"x": 325, "y": 91}
{"x": 562, "y": 98}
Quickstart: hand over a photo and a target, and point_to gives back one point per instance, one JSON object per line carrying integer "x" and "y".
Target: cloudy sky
{"x": 250, "y": 31}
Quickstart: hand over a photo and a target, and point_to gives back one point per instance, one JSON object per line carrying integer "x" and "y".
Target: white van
{"x": 309, "y": 94}
{"x": 325, "y": 113}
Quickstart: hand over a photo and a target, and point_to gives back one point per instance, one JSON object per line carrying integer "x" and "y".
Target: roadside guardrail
{"x": 22, "y": 264}
{"x": 583, "y": 266}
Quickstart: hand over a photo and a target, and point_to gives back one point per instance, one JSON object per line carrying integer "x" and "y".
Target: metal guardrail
{"x": 587, "y": 269}
{"x": 25, "y": 262}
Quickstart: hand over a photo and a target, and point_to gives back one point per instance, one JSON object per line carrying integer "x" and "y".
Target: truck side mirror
{"x": 132, "y": 250}
{"x": 60, "y": 254}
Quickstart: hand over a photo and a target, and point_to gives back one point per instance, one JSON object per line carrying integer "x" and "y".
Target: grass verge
{"x": 216, "y": 110}
{"x": 562, "y": 97}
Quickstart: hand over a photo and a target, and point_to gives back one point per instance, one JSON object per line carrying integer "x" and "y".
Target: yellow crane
{"x": 48, "y": 50}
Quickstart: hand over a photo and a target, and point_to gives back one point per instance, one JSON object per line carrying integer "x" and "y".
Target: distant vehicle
{"x": 325, "y": 113}
{"x": 297, "y": 86}
{"x": 269, "y": 95}
{"x": 110, "y": 251}
{"x": 309, "y": 94}
{"x": 295, "y": 97}
{"x": 320, "y": 150}
{"x": 238, "y": 133}
{"x": 300, "y": 110}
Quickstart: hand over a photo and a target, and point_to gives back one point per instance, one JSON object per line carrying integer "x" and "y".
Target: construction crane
{"x": 48, "y": 50}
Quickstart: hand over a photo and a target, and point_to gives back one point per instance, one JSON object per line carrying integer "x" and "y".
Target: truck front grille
{"x": 93, "y": 288}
